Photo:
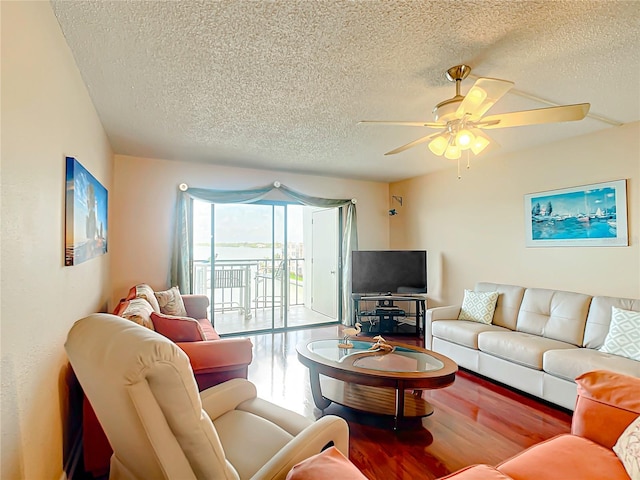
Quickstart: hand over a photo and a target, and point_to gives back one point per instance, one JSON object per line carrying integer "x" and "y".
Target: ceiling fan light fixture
{"x": 461, "y": 121}
{"x": 480, "y": 142}
{"x": 438, "y": 145}
{"x": 465, "y": 139}
{"x": 453, "y": 152}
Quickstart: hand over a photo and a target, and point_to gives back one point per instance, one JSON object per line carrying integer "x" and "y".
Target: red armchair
{"x": 213, "y": 361}
{"x": 219, "y": 359}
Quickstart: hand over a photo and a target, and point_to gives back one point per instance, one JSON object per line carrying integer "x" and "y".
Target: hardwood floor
{"x": 474, "y": 420}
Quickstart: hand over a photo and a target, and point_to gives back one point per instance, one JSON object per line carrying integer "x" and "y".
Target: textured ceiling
{"x": 282, "y": 84}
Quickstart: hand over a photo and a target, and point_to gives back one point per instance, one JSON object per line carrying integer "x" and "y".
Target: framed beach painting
{"x": 86, "y": 215}
{"x": 590, "y": 215}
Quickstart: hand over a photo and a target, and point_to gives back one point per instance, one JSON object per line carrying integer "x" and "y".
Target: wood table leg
{"x": 318, "y": 399}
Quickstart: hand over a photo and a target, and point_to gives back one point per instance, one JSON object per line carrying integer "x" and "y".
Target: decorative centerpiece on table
{"x": 349, "y": 332}
{"x": 381, "y": 345}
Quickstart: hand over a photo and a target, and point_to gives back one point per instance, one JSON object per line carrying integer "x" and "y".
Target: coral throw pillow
{"x": 329, "y": 463}
{"x": 478, "y": 306}
{"x": 627, "y": 449}
{"x": 170, "y": 302}
{"x": 178, "y": 329}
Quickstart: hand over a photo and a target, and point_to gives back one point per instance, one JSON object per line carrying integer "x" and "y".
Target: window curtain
{"x": 181, "y": 269}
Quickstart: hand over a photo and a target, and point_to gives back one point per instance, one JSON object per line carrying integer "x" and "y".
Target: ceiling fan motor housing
{"x": 446, "y": 111}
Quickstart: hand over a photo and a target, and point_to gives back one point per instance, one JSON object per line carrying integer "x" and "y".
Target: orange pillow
{"x": 178, "y": 329}
{"x": 607, "y": 403}
{"x": 330, "y": 463}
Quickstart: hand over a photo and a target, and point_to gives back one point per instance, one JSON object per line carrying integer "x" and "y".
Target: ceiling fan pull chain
{"x": 459, "y": 176}
{"x": 468, "y": 160}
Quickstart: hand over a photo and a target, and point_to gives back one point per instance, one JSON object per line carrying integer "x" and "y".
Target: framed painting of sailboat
{"x": 589, "y": 215}
{"x": 86, "y": 215}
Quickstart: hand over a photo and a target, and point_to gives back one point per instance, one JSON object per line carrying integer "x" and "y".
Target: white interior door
{"x": 324, "y": 262}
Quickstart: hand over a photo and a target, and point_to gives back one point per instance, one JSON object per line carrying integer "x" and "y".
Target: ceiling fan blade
{"x": 412, "y": 144}
{"x": 564, "y": 113}
{"x": 405, "y": 124}
{"x": 482, "y": 96}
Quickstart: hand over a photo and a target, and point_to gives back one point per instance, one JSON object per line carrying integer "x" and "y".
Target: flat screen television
{"x": 376, "y": 272}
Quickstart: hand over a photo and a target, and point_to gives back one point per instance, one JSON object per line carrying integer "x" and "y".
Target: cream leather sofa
{"x": 539, "y": 340}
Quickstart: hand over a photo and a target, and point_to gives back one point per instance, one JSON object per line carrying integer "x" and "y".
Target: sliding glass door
{"x": 254, "y": 264}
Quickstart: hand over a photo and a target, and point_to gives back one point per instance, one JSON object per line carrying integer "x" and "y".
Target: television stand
{"x": 379, "y": 314}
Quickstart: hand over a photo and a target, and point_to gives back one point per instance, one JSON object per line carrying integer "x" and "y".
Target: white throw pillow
{"x": 478, "y": 306}
{"x": 170, "y": 302}
{"x": 627, "y": 449}
{"x": 624, "y": 334}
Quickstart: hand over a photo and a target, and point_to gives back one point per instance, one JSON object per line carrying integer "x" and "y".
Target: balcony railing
{"x": 250, "y": 284}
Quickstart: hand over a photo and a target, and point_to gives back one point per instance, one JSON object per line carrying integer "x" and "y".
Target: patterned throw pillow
{"x": 478, "y": 306}
{"x": 627, "y": 449}
{"x": 624, "y": 334}
{"x": 145, "y": 291}
{"x": 139, "y": 311}
{"x": 170, "y": 302}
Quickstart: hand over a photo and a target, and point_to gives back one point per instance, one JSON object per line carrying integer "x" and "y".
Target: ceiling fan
{"x": 461, "y": 122}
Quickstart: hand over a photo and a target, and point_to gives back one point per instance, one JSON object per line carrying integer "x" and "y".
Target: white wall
{"x": 474, "y": 228}
{"x": 46, "y": 115}
{"x": 144, "y": 202}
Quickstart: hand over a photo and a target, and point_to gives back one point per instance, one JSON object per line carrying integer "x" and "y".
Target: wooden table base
{"x": 379, "y": 400}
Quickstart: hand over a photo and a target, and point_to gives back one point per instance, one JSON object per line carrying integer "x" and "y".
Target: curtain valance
{"x": 181, "y": 268}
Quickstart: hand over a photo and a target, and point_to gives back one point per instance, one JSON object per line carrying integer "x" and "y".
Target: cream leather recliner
{"x": 144, "y": 394}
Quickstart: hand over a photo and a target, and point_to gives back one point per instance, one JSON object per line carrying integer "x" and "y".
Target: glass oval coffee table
{"x": 386, "y": 383}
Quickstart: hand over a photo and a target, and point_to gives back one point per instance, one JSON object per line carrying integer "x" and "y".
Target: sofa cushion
{"x": 624, "y": 334}
{"x": 571, "y": 363}
{"x": 137, "y": 310}
{"x": 178, "y": 329}
{"x": 478, "y": 306}
{"x": 170, "y": 302}
{"x": 144, "y": 291}
{"x": 518, "y": 347}
{"x": 508, "y": 304}
{"x": 564, "y": 457}
{"x": 554, "y": 314}
{"x": 249, "y": 441}
{"x": 627, "y": 448}
{"x": 462, "y": 332}
{"x": 599, "y": 318}
{"x": 207, "y": 328}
